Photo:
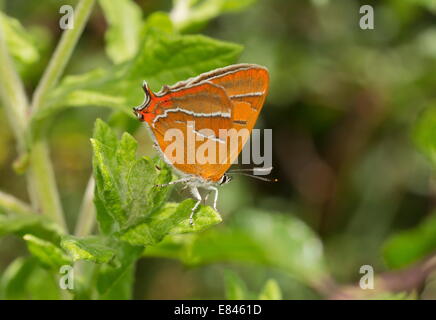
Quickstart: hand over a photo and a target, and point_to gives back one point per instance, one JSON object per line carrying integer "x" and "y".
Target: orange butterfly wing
{"x": 226, "y": 98}
{"x": 247, "y": 87}
{"x": 204, "y": 106}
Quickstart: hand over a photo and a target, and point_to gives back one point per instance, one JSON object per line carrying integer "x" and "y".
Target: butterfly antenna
{"x": 254, "y": 176}
{"x": 264, "y": 171}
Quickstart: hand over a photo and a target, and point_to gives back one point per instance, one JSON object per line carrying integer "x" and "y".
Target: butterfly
{"x": 227, "y": 99}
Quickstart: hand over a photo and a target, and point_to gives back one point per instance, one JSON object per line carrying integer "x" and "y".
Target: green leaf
{"x": 90, "y": 248}
{"x": 163, "y": 58}
{"x": 105, "y": 221}
{"x": 204, "y": 217}
{"x": 21, "y": 224}
{"x": 271, "y": 291}
{"x": 172, "y": 218}
{"x": 124, "y": 18}
{"x": 9, "y": 203}
{"x": 235, "y": 287}
{"x": 425, "y": 134}
{"x": 14, "y": 279}
{"x": 158, "y": 21}
{"x": 115, "y": 280}
{"x": 25, "y": 279}
{"x": 191, "y": 15}
{"x": 122, "y": 289}
{"x": 168, "y": 58}
{"x": 253, "y": 236}
{"x": 412, "y": 245}
{"x": 46, "y": 252}
{"x": 121, "y": 122}
{"x": 20, "y": 44}
{"x": 125, "y": 189}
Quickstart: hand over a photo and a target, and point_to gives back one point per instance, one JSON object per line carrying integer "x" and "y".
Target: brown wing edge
{"x": 206, "y": 75}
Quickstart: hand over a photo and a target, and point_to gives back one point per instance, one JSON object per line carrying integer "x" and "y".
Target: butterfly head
{"x": 144, "y": 112}
{"x": 224, "y": 179}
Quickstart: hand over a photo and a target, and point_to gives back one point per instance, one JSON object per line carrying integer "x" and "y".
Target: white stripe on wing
{"x": 192, "y": 113}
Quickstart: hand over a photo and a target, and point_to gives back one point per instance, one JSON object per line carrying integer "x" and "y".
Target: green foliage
{"x": 365, "y": 179}
{"x": 271, "y": 291}
{"x": 411, "y": 245}
{"x": 162, "y": 58}
{"x": 21, "y": 224}
{"x": 192, "y": 14}
{"x": 124, "y": 18}
{"x": 25, "y": 279}
{"x": 131, "y": 211}
{"x": 172, "y": 218}
{"x": 21, "y": 45}
{"x": 90, "y": 248}
{"x": 124, "y": 183}
{"x": 115, "y": 280}
{"x": 46, "y": 252}
{"x": 236, "y": 289}
{"x": 158, "y": 21}
{"x": 252, "y": 236}
{"x": 425, "y": 133}
{"x": 130, "y": 205}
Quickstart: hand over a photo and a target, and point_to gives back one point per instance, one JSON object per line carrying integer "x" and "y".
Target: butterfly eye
{"x": 138, "y": 114}
{"x": 224, "y": 179}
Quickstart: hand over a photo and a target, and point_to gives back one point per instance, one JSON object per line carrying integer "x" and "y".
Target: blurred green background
{"x": 351, "y": 115}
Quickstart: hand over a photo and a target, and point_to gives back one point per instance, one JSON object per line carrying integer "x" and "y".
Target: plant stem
{"x": 43, "y": 175}
{"x": 13, "y": 204}
{"x": 42, "y": 185}
{"x": 62, "y": 54}
{"x": 15, "y": 103}
{"x": 39, "y": 156}
{"x": 86, "y": 219}
{"x": 12, "y": 94}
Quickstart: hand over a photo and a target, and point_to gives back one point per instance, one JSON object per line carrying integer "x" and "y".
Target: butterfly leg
{"x": 156, "y": 146}
{"x": 197, "y": 196}
{"x": 206, "y": 196}
{"x": 215, "y": 199}
{"x": 172, "y": 182}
